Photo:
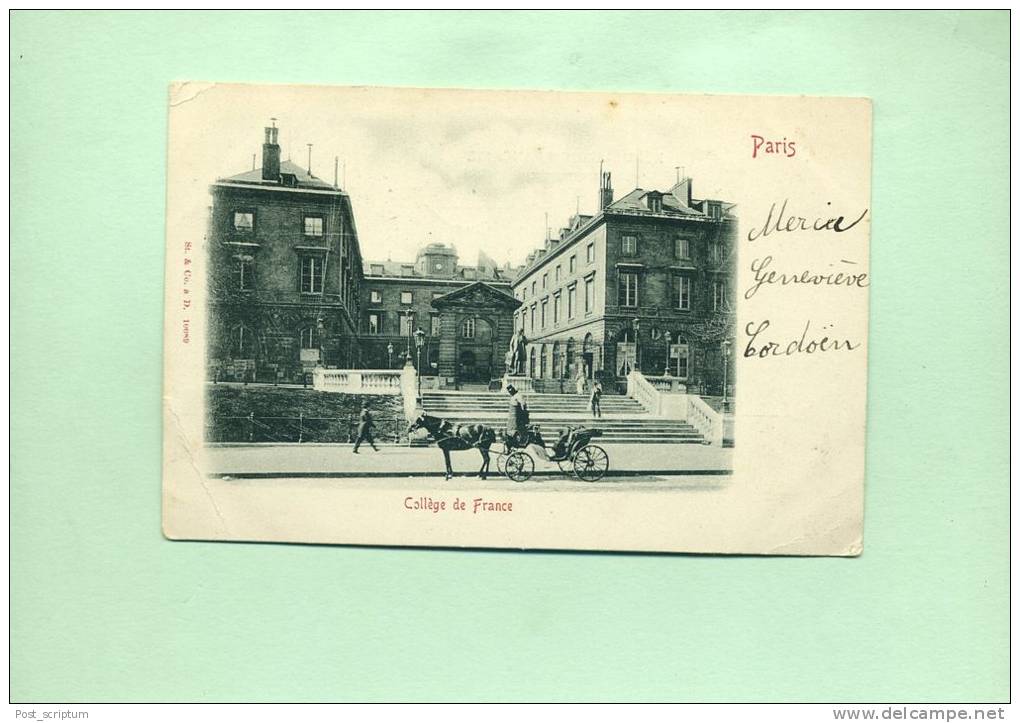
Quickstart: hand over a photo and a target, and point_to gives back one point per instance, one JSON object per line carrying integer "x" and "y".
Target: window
{"x": 628, "y": 246}
{"x": 557, "y": 277}
{"x": 679, "y": 357}
{"x": 435, "y": 325}
{"x": 571, "y": 300}
{"x": 468, "y": 330}
{"x": 406, "y": 320}
{"x": 313, "y": 225}
{"x": 654, "y": 203}
{"x": 573, "y": 263}
{"x": 589, "y": 295}
{"x": 244, "y": 273}
{"x": 556, "y": 309}
{"x": 534, "y": 313}
{"x": 545, "y": 281}
{"x": 714, "y": 210}
{"x": 683, "y": 292}
{"x": 244, "y": 343}
{"x": 377, "y": 270}
{"x": 244, "y": 221}
{"x": 545, "y": 308}
{"x": 406, "y": 297}
{"x": 311, "y": 275}
{"x": 309, "y": 339}
{"x": 719, "y": 301}
{"x": 524, "y": 317}
{"x": 628, "y": 289}
{"x": 532, "y": 288}
{"x": 376, "y": 296}
{"x": 713, "y": 251}
{"x": 407, "y": 270}
{"x": 682, "y": 248}
{"x": 591, "y": 253}
{"x": 374, "y": 325}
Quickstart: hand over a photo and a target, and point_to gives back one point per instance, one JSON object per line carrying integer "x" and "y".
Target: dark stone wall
{"x": 273, "y": 310}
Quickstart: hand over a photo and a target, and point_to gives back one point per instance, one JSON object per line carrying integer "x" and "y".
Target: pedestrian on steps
{"x": 596, "y": 400}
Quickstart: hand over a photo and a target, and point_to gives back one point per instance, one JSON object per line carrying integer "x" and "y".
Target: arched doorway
{"x": 543, "y": 361}
{"x": 588, "y": 356}
{"x": 557, "y": 369}
{"x": 467, "y": 370}
{"x": 533, "y": 365}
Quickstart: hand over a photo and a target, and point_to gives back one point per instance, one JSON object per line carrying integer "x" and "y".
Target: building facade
{"x": 464, "y": 312}
{"x": 646, "y": 283}
{"x": 284, "y": 275}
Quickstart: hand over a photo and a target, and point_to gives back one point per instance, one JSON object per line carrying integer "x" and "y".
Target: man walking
{"x": 596, "y": 400}
{"x": 365, "y": 425}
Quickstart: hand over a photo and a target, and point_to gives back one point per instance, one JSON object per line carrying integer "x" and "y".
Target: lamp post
{"x": 725, "y": 369}
{"x": 637, "y": 349}
{"x": 389, "y": 355}
{"x": 419, "y": 342}
{"x": 669, "y": 338}
{"x": 410, "y": 325}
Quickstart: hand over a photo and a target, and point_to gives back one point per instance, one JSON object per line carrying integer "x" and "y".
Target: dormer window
{"x": 654, "y": 202}
{"x": 377, "y": 270}
{"x": 714, "y": 210}
{"x": 407, "y": 270}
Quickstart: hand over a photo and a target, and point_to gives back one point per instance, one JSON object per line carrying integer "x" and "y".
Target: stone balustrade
{"x": 357, "y": 381}
{"x": 667, "y": 385}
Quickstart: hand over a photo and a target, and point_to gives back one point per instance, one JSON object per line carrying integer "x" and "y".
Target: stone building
{"x": 646, "y": 283}
{"x": 464, "y": 312}
{"x": 284, "y": 273}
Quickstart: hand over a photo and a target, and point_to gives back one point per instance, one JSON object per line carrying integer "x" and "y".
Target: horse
{"x": 456, "y": 437}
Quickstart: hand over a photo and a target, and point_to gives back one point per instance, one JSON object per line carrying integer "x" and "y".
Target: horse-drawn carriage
{"x": 573, "y": 452}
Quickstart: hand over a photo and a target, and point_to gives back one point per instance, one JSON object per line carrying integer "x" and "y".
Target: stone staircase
{"x": 623, "y": 420}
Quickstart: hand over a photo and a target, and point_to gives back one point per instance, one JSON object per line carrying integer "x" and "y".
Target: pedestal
{"x": 521, "y": 382}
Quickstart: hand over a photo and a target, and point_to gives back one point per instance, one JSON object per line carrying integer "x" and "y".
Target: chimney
{"x": 606, "y": 190}
{"x": 271, "y": 155}
{"x": 682, "y": 191}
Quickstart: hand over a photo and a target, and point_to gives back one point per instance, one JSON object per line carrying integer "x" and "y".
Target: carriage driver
{"x": 517, "y": 418}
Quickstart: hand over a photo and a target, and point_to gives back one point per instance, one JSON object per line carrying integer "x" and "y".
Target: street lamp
{"x": 410, "y": 325}
{"x": 637, "y": 350}
{"x": 389, "y": 355}
{"x": 725, "y": 369}
{"x": 669, "y": 338}
{"x": 419, "y": 342}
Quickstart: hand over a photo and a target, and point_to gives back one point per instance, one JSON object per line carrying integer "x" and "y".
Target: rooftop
{"x": 301, "y": 177}
{"x": 676, "y": 203}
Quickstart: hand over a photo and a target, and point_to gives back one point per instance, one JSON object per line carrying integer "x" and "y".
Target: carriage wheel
{"x": 591, "y": 463}
{"x": 519, "y": 466}
{"x": 566, "y": 465}
{"x": 501, "y": 462}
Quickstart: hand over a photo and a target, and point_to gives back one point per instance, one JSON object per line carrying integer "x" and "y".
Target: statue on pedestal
{"x": 517, "y": 353}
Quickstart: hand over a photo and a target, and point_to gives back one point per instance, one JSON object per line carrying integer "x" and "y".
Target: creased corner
{"x": 182, "y": 92}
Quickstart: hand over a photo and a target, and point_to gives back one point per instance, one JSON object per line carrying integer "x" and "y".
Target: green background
{"x": 104, "y": 609}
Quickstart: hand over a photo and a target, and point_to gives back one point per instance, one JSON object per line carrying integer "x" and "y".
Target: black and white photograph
{"x": 463, "y": 299}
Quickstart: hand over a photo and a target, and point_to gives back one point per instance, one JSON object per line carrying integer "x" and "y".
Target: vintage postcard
{"x": 502, "y": 319}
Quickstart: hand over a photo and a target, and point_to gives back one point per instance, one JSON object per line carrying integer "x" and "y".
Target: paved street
{"x": 627, "y": 462}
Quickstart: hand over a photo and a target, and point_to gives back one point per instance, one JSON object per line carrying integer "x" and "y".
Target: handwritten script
{"x": 812, "y": 336}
